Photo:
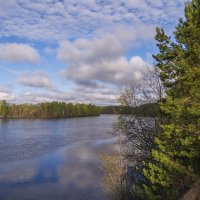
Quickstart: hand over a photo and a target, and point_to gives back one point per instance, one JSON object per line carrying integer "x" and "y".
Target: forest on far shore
{"x": 47, "y": 110}
{"x": 66, "y": 110}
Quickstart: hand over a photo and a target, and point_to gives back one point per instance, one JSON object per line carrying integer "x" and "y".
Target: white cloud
{"x": 6, "y": 92}
{"x": 118, "y": 71}
{"x": 14, "y": 52}
{"x": 101, "y": 60}
{"x": 56, "y": 20}
{"x": 90, "y": 50}
{"x": 98, "y": 67}
{"x": 100, "y": 94}
{"x": 82, "y": 97}
{"x": 104, "y": 46}
{"x": 39, "y": 79}
{"x": 94, "y": 38}
{"x": 4, "y": 95}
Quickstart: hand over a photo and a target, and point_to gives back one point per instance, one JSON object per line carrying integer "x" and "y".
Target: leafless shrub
{"x": 136, "y": 134}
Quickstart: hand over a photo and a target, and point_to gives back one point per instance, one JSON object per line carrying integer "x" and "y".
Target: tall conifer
{"x": 176, "y": 159}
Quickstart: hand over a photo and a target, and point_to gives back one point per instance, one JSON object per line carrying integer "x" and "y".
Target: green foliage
{"x": 177, "y": 153}
{"x": 137, "y": 127}
{"x": 144, "y": 110}
{"x": 3, "y": 109}
{"x": 52, "y": 110}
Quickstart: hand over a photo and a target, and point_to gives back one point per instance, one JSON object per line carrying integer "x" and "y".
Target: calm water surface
{"x": 54, "y": 159}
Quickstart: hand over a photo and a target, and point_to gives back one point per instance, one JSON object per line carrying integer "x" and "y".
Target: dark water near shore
{"x": 54, "y": 159}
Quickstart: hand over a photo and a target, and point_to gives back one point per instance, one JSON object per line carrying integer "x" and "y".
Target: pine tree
{"x": 176, "y": 158}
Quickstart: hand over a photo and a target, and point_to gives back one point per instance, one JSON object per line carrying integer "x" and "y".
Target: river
{"x": 55, "y": 159}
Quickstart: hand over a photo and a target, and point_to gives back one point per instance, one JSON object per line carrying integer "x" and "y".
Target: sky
{"x": 78, "y": 51}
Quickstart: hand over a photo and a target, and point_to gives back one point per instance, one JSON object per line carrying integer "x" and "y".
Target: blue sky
{"x": 78, "y": 51}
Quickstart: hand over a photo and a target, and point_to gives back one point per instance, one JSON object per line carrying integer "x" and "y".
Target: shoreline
{"x": 9, "y": 118}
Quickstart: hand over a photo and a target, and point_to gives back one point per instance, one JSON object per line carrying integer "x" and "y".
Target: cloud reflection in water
{"x": 73, "y": 171}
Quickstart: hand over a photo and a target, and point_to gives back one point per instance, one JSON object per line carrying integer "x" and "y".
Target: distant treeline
{"x": 66, "y": 110}
{"x": 48, "y": 110}
{"x": 146, "y": 110}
